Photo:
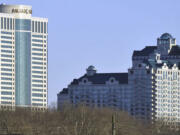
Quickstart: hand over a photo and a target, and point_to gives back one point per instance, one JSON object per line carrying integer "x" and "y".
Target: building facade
{"x": 149, "y": 91}
{"x": 23, "y": 57}
{"x": 98, "y": 90}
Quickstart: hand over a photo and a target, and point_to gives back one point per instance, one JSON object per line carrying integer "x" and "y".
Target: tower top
{"x": 91, "y": 70}
{"x": 165, "y": 43}
{"x": 166, "y": 36}
{"x": 24, "y": 10}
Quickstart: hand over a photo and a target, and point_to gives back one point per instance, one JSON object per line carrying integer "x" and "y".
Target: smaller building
{"x": 62, "y": 98}
{"x": 98, "y": 90}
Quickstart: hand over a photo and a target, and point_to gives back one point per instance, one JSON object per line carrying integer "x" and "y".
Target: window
{"x": 37, "y": 40}
{"x": 44, "y": 27}
{"x": 7, "y": 42}
{"x": 39, "y": 27}
{"x": 4, "y": 23}
{"x": 11, "y": 24}
{"x": 37, "y": 45}
{"x": 6, "y": 93}
{"x": 40, "y": 81}
{"x": 38, "y": 90}
{"x": 112, "y": 80}
{"x": 23, "y": 24}
{"x": 37, "y": 95}
{"x": 8, "y": 23}
{"x": 37, "y": 99}
{"x": 32, "y": 26}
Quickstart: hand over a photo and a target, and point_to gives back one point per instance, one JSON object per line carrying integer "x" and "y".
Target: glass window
{"x": 40, "y": 81}
{"x": 6, "y": 60}
{"x": 37, "y": 76}
{"x": 8, "y": 23}
{"x": 37, "y": 63}
{"x": 36, "y": 58}
{"x": 41, "y": 27}
{"x": 6, "y": 69}
{"x": 6, "y": 93}
{"x": 11, "y": 24}
{"x": 6, "y": 65}
{"x": 36, "y": 67}
{"x": 35, "y": 49}
{"x": 6, "y": 46}
{"x": 37, "y": 99}
{"x": 37, "y": 72}
{"x": 32, "y": 26}
{"x": 6, "y": 74}
{"x": 37, "y": 95}
{"x": 45, "y": 30}
{"x": 35, "y": 26}
{"x": 6, "y": 88}
{"x": 5, "y": 32}
{"x": 37, "y": 36}
{"x": 6, "y": 51}
{"x": 4, "y": 23}
{"x": 37, "y": 40}
{"x": 5, "y": 37}
{"x": 37, "y": 104}
{"x": 6, "y": 102}
{"x": 1, "y": 23}
{"x": 37, "y": 45}
{"x": 37, "y": 54}
{"x": 7, "y": 42}
{"x": 6, "y": 83}
{"x": 6, "y": 98}
{"x": 23, "y": 24}
{"x": 37, "y": 85}
{"x": 37, "y": 90}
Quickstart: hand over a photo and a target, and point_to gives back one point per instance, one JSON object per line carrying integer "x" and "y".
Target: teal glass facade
{"x": 23, "y": 61}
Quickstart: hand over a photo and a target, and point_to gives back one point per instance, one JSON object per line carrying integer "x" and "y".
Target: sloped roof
{"x": 101, "y": 78}
{"x": 175, "y": 50}
{"x": 146, "y": 51}
{"x": 64, "y": 91}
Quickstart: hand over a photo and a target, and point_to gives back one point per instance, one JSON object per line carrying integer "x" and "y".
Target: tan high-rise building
{"x": 23, "y": 57}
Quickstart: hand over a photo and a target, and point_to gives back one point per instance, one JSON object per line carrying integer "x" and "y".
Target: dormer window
{"x": 112, "y": 80}
{"x": 131, "y": 71}
{"x": 85, "y": 81}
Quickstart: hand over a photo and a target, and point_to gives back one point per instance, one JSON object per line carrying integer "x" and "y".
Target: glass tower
{"x": 23, "y": 57}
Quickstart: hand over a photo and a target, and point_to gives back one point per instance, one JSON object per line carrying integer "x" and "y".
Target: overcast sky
{"x": 102, "y": 33}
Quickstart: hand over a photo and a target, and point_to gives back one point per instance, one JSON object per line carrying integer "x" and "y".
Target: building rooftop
{"x": 64, "y": 91}
{"x": 175, "y": 51}
{"x": 101, "y": 78}
{"x": 146, "y": 51}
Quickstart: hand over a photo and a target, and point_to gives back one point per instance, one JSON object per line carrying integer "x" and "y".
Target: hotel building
{"x": 23, "y": 57}
{"x": 150, "y": 90}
